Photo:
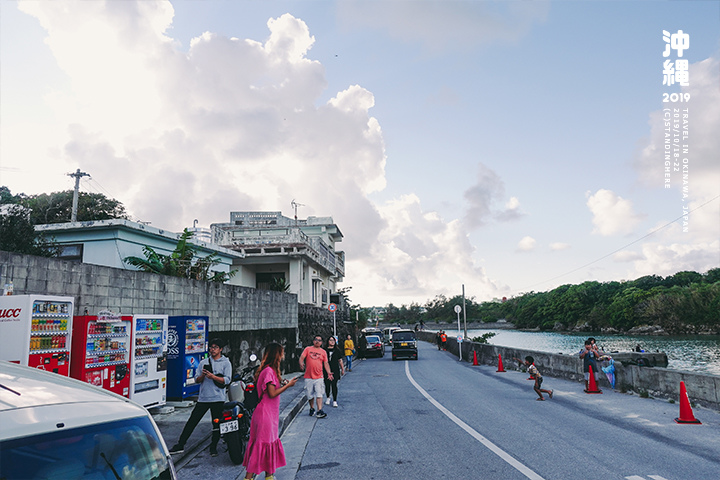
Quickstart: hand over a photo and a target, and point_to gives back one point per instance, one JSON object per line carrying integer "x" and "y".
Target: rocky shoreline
{"x": 653, "y": 330}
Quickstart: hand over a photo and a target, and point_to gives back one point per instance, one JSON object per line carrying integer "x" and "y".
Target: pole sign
{"x": 332, "y": 307}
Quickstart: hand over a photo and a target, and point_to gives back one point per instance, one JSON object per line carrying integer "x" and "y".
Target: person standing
{"x": 264, "y": 451}
{"x": 443, "y": 339}
{"x": 337, "y": 368}
{"x": 362, "y": 345}
{"x": 349, "y": 352}
{"x": 590, "y": 354}
{"x": 317, "y": 360}
{"x": 214, "y": 374}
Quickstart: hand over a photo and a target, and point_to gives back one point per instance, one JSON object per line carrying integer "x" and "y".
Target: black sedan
{"x": 375, "y": 346}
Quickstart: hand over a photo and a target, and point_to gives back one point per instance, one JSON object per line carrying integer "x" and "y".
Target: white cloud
{"x": 526, "y": 244}
{"x": 418, "y": 255}
{"x": 482, "y": 197}
{"x": 559, "y": 246}
{"x": 612, "y": 214}
{"x": 662, "y": 259}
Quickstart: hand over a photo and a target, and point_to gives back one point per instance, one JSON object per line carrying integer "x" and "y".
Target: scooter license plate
{"x": 228, "y": 427}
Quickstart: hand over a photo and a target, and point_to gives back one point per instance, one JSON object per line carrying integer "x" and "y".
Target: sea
{"x": 692, "y": 353}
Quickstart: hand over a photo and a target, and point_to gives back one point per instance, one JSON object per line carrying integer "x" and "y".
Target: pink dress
{"x": 264, "y": 451}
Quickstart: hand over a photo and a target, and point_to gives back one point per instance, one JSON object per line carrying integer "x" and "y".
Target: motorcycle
{"x": 234, "y": 421}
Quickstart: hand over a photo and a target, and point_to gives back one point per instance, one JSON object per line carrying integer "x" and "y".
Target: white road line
{"x": 473, "y": 433}
{"x": 638, "y": 477}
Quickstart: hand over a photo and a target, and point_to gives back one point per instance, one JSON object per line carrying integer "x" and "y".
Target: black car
{"x": 404, "y": 344}
{"x": 375, "y": 346}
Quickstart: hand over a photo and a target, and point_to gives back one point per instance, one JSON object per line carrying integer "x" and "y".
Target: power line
{"x": 627, "y": 245}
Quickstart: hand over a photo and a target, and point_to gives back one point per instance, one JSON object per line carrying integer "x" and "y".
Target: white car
{"x": 54, "y": 427}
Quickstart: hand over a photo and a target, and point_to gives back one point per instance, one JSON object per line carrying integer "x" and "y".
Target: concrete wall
{"x": 230, "y": 307}
{"x": 702, "y": 389}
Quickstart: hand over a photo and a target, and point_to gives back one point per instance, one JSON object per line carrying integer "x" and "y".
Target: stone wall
{"x": 702, "y": 389}
{"x": 130, "y": 292}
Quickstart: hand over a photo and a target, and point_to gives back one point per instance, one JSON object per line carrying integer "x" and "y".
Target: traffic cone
{"x": 592, "y": 384}
{"x": 500, "y": 365}
{"x": 686, "y": 413}
{"x": 475, "y": 362}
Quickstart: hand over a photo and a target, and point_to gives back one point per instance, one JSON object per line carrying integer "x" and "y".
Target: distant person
{"x": 349, "y": 352}
{"x": 334, "y": 355}
{"x": 314, "y": 381}
{"x": 437, "y": 339}
{"x": 590, "y": 354}
{"x": 535, "y": 374}
{"x": 443, "y": 339}
{"x": 362, "y": 345}
{"x": 264, "y": 451}
{"x": 211, "y": 371}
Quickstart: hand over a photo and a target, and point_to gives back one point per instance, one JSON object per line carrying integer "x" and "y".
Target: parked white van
{"x": 54, "y": 427}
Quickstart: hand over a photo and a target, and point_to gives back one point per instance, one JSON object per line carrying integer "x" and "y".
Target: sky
{"x": 506, "y": 147}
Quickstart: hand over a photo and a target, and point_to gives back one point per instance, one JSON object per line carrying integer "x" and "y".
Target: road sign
{"x": 332, "y": 307}
{"x": 458, "y": 309}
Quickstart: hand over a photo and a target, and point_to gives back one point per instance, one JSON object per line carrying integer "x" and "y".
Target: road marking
{"x": 638, "y": 477}
{"x": 473, "y": 433}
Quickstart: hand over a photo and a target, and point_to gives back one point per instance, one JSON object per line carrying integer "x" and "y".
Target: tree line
{"x": 686, "y": 302}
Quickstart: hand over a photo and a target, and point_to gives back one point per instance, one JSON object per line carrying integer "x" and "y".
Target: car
{"x": 374, "y": 331}
{"x": 375, "y": 346}
{"x": 388, "y": 334}
{"x": 60, "y": 428}
{"x": 404, "y": 344}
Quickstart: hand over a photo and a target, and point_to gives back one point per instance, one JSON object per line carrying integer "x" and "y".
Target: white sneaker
{"x": 327, "y": 402}
{"x": 335, "y": 404}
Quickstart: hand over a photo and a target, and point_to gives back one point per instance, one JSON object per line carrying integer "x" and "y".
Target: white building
{"x": 274, "y": 247}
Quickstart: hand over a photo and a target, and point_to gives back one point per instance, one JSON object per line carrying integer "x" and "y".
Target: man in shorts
{"x": 316, "y": 358}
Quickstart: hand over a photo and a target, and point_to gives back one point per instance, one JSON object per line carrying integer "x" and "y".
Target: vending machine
{"x": 148, "y": 372}
{"x": 187, "y": 345}
{"x": 101, "y": 351}
{"x": 35, "y": 331}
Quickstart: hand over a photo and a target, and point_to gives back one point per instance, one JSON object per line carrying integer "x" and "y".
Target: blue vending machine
{"x": 187, "y": 345}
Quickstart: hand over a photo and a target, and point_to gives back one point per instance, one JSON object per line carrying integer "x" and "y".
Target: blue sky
{"x": 506, "y": 146}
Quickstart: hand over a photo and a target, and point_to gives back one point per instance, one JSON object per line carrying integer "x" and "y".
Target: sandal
{"x": 551, "y": 392}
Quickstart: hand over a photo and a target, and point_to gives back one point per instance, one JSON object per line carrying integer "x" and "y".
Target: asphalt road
{"x": 440, "y": 418}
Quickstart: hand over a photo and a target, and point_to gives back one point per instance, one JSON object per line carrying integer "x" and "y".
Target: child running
{"x": 534, "y": 373}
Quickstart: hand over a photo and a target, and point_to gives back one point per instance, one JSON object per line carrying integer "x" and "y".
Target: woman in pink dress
{"x": 264, "y": 451}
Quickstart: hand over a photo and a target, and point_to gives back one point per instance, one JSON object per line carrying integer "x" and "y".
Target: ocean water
{"x": 693, "y": 353}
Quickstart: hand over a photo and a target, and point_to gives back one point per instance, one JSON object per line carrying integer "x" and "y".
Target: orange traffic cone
{"x": 592, "y": 385}
{"x": 475, "y": 362}
{"x": 686, "y": 413}
{"x": 500, "y": 365}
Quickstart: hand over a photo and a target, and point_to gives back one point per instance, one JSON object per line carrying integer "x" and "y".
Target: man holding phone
{"x": 214, "y": 375}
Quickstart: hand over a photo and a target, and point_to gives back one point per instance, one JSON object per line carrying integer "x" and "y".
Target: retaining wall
{"x": 702, "y": 389}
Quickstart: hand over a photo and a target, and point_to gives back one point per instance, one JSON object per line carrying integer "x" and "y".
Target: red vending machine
{"x": 35, "y": 331}
{"x": 101, "y": 351}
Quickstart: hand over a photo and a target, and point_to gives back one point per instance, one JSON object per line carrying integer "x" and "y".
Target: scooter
{"x": 234, "y": 421}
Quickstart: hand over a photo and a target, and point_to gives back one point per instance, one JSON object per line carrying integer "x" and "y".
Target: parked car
{"x": 374, "y": 331}
{"x": 60, "y": 428}
{"x": 404, "y": 344}
{"x": 375, "y": 346}
{"x": 388, "y": 334}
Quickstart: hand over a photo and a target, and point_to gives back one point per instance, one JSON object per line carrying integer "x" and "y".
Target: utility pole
{"x": 77, "y": 176}
{"x": 464, "y": 310}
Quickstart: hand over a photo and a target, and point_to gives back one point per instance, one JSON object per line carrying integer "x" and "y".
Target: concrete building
{"x": 109, "y": 242}
{"x": 275, "y": 248}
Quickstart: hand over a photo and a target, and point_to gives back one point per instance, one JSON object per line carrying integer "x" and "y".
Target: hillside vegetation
{"x": 687, "y": 302}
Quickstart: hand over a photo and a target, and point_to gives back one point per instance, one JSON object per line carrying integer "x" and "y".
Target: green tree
{"x": 279, "y": 284}
{"x": 57, "y": 207}
{"x": 18, "y": 235}
{"x": 182, "y": 262}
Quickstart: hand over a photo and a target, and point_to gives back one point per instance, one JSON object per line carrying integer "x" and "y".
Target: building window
{"x": 72, "y": 253}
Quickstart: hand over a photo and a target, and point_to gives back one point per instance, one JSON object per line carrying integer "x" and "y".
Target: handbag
{"x": 217, "y": 383}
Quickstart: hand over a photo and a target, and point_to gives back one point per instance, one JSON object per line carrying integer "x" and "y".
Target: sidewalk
{"x": 172, "y": 423}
